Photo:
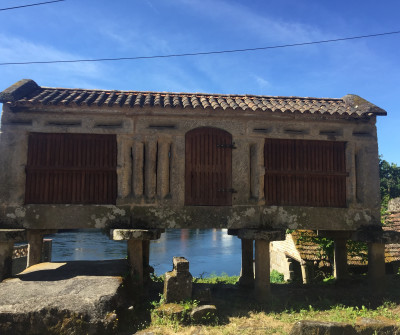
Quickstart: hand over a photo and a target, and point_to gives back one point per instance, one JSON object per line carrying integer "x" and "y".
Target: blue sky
{"x": 82, "y": 29}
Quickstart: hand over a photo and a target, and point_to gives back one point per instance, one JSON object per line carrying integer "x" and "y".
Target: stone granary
{"x": 146, "y": 161}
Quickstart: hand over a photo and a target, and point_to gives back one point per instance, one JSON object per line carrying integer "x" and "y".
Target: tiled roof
{"x": 27, "y": 92}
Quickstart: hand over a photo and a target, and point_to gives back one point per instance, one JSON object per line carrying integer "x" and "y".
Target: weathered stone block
{"x": 306, "y": 327}
{"x": 257, "y": 234}
{"x": 204, "y": 314}
{"x": 178, "y": 284}
{"x": 181, "y": 264}
{"x": 135, "y": 234}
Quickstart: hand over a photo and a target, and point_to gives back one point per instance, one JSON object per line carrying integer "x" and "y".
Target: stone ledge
{"x": 257, "y": 234}
{"x": 80, "y": 296}
{"x": 376, "y": 236}
{"x": 135, "y": 234}
{"x": 13, "y": 235}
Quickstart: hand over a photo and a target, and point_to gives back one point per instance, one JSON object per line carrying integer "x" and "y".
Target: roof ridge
{"x": 191, "y": 93}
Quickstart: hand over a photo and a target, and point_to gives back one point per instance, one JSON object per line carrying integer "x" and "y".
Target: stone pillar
{"x": 138, "y": 249}
{"x": 247, "y": 272}
{"x": 262, "y": 266}
{"x": 6, "y": 252}
{"x": 135, "y": 258}
{"x": 340, "y": 238}
{"x": 35, "y": 246}
{"x": 376, "y": 263}
{"x": 340, "y": 259}
{"x": 7, "y": 239}
{"x": 262, "y": 257}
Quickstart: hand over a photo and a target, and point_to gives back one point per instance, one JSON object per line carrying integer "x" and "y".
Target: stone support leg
{"x": 6, "y": 251}
{"x": 247, "y": 273}
{"x": 340, "y": 259}
{"x": 262, "y": 267}
{"x": 135, "y": 257}
{"x": 35, "y": 247}
{"x": 376, "y": 263}
{"x": 138, "y": 250}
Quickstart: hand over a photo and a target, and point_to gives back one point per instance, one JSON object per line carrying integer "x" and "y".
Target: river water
{"x": 209, "y": 251}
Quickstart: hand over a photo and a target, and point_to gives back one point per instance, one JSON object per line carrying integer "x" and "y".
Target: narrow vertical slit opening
{"x": 251, "y": 195}
{"x": 131, "y": 192}
{"x": 158, "y": 184}
{"x": 169, "y": 168}
{"x": 144, "y": 170}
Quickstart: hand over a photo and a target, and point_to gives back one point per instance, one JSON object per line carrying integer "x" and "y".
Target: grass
{"x": 239, "y": 313}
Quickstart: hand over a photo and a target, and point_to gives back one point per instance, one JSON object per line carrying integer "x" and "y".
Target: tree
{"x": 389, "y": 174}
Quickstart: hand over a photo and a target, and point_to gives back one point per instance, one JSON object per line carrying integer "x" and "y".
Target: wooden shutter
{"x": 208, "y": 170}
{"x": 305, "y": 173}
{"x": 71, "y": 169}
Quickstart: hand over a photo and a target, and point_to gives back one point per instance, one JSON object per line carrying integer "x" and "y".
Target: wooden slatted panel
{"x": 71, "y": 169}
{"x": 208, "y": 170}
{"x": 305, "y": 173}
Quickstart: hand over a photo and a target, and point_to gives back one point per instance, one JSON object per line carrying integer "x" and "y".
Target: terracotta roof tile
{"x": 27, "y": 92}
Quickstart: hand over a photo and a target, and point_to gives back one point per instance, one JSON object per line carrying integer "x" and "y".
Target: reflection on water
{"x": 208, "y": 250}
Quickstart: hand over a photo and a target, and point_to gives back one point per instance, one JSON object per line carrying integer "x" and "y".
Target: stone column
{"x": 262, "y": 258}
{"x": 135, "y": 258}
{"x": 376, "y": 263}
{"x": 7, "y": 239}
{"x": 6, "y": 252}
{"x": 262, "y": 266}
{"x": 138, "y": 249}
{"x": 340, "y": 238}
{"x": 340, "y": 259}
{"x": 247, "y": 272}
{"x": 35, "y": 245}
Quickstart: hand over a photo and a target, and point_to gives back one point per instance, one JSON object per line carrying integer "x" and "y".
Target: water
{"x": 209, "y": 251}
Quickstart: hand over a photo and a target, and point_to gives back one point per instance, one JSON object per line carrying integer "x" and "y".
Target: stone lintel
{"x": 13, "y": 235}
{"x": 257, "y": 234}
{"x": 233, "y": 232}
{"x": 335, "y": 234}
{"x": 376, "y": 236}
{"x": 135, "y": 234}
{"x": 43, "y": 231}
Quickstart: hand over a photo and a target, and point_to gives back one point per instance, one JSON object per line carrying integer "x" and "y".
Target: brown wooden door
{"x": 71, "y": 169}
{"x": 208, "y": 170}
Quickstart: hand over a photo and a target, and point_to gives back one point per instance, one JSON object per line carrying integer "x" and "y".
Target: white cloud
{"x": 16, "y": 49}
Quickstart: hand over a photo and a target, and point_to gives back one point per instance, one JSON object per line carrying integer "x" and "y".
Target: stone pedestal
{"x": 7, "y": 239}
{"x": 178, "y": 282}
{"x": 340, "y": 237}
{"x": 340, "y": 259}
{"x": 262, "y": 267}
{"x": 247, "y": 272}
{"x": 376, "y": 264}
{"x": 262, "y": 257}
{"x": 35, "y": 245}
{"x": 138, "y": 250}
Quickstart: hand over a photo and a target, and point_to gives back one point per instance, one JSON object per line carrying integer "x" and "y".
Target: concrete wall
{"x": 162, "y": 202}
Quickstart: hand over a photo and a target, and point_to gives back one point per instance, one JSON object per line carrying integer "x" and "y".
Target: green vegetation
{"x": 389, "y": 174}
{"x": 214, "y": 279}
{"x": 276, "y": 277}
